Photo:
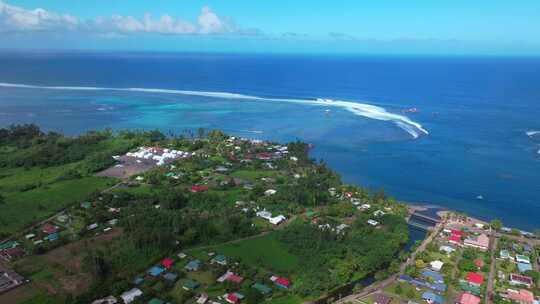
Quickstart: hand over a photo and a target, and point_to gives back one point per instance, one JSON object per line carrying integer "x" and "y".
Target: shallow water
{"x": 477, "y": 112}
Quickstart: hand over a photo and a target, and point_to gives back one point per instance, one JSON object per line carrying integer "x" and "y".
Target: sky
{"x": 452, "y": 27}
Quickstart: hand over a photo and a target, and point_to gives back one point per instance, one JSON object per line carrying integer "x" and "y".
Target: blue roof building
{"x": 523, "y": 267}
{"x": 156, "y": 271}
{"x": 435, "y": 276}
{"x": 193, "y": 265}
{"x": 432, "y": 298}
{"x": 53, "y": 236}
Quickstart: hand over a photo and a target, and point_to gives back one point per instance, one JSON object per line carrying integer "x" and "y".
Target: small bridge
{"x": 425, "y": 218}
{"x": 420, "y": 226}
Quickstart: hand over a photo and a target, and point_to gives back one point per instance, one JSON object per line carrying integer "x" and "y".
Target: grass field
{"x": 254, "y": 174}
{"x": 265, "y": 252}
{"x": 25, "y": 207}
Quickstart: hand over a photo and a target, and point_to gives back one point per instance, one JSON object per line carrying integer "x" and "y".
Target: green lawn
{"x": 288, "y": 299}
{"x": 254, "y": 174}
{"x": 24, "y": 208}
{"x": 266, "y": 252}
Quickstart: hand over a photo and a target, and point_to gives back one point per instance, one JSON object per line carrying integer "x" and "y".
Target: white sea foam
{"x": 532, "y": 133}
{"x": 361, "y": 109}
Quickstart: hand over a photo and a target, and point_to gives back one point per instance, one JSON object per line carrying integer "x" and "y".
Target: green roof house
{"x": 188, "y": 284}
{"x": 263, "y": 289}
{"x": 156, "y": 301}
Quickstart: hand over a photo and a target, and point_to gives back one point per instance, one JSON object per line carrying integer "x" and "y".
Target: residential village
{"x": 466, "y": 262}
{"x": 266, "y": 257}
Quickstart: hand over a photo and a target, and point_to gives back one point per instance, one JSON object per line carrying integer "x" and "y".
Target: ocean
{"x": 433, "y": 130}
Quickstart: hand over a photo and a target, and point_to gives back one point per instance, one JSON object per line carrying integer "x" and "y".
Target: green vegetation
{"x": 207, "y": 203}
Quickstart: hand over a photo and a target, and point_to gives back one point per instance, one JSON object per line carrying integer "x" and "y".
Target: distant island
{"x": 204, "y": 217}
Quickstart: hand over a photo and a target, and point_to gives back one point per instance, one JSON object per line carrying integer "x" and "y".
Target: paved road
{"x": 383, "y": 284}
{"x": 492, "y": 269}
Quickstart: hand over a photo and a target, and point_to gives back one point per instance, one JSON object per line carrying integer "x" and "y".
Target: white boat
{"x": 480, "y": 197}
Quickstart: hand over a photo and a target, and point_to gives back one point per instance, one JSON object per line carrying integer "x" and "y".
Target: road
{"x": 492, "y": 269}
{"x": 383, "y": 284}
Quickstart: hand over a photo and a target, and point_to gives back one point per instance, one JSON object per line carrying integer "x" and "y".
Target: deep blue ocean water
{"x": 477, "y": 112}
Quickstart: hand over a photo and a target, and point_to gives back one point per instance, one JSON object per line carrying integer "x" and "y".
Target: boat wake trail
{"x": 360, "y": 109}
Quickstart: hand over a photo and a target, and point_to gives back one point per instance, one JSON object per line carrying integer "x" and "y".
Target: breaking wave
{"x": 361, "y": 109}
{"x": 532, "y": 133}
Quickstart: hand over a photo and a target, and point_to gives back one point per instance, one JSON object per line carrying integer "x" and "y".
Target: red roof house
{"x": 196, "y": 188}
{"x": 235, "y": 278}
{"x": 49, "y": 229}
{"x": 523, "y": 296}
{"x": 167, "y": 263}
{"x": 283, "y": 282}
{"x": 264, "y": 156}
{"x": 479, "y": 263}
{"x": 475, "y": 278}
{"x": 456, "y": 232}
{"x": 467, "y": 298}
{"x": 232, "y": 298}
{"x": 455, "y": 239}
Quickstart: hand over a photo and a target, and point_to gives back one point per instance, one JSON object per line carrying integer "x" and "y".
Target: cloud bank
{"x": 14, "y": 19}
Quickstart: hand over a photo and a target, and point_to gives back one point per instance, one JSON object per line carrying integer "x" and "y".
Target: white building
{"x": 373, "y": 222}
{"x": 130, "y": 295}
{"x": 436, "y": 265}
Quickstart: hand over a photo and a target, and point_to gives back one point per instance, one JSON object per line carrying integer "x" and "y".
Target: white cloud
{"x": 18, "y": 19}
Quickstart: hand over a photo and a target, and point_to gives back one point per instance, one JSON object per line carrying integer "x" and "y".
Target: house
{"x": 454, "y": 239}
{"x": 263, "y": 289}
{"x": 524, "y": 267}
{"x": 202, "y": 299}
{"x": 138, "y": 281}
{"x": 270, "y": 192}
{"x": 197, "y": 189}
{"x": 193, "y": 265}
{"x": 107, "y": 300}
{"x": 182, "y": 255}
{"x": 381, "y": 298}
{"x": 233, "y": 297}
{"x": 478, "y": 263}
{"x": 170, "y": 277}
{"x": 49, "y": 229}
{"x": 436, "y": 265}
{"x": 281, "y": 281}
{"x": 432, "y": 298}
{"x": 53, "y": 237}
{"x": 379, "y": 213}
{"x": 92, "y": 226}
{"x": 467, "y": 298}
{"x": 505, "y": 254}
{"x": 12, "y": 253}
{"x": 516, "y": 279}
{"x": 234, "y": 278}
{"x": 268, "y": 216}
{"x": 474, "y": 278}
{"x": 480, "y": 242}
{"x": 372, "y": 222}
{"x": 456, "y": 232}
{"x": 130, "y": 295}
{"x": 277, "y": 220}
{"x": 447, "y": 249}
{"x": 156, "y": 271}
{"x": 230, "y": 277}
{"x": 188, "y": 284}
{"x": 433, "y": 275}
{"x": 522, "y": 259}
{"x": 522, "y": 296}
{"x": 167, "y": 263}
{"x": 219, "y": 259}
